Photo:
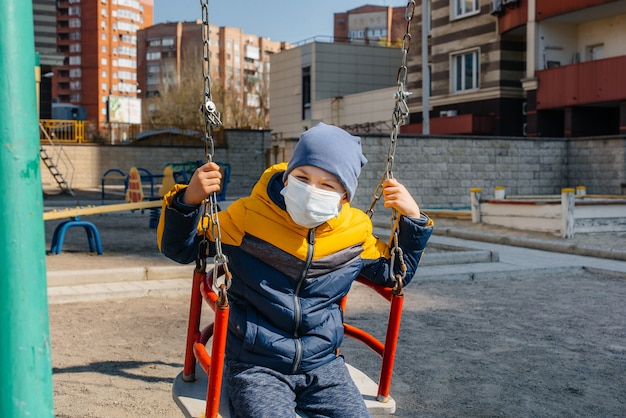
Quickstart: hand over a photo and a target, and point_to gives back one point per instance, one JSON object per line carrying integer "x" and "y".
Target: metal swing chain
{"x": 399, "y": 117}
{"x": 210, "y": 218}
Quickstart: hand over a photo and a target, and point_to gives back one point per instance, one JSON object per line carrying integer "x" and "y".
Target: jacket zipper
{"x": 296, "y": 299}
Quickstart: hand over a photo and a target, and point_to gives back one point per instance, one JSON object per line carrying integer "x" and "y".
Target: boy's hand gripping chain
{"x": 210, "y": 217}
{"x": 399, "y": 117}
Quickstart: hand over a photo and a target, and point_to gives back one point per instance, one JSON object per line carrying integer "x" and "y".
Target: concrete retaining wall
{"x": 597, "y": 163}
{"x": 245, "y": 151}
{"x": 439, "y": 171}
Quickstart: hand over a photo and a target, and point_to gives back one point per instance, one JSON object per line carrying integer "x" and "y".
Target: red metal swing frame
{"x": 213, "y": 364}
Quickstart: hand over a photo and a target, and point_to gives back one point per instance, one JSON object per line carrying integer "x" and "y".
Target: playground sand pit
{"x": 518, "y": 345}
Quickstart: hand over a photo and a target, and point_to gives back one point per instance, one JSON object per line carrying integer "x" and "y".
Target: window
{"x": 595, "y": 52}
{"x": 306, "y": 93}
{"x": 430, "y": 16}
{"x": 462, "y": 8}
{"x": 465, "y": 71}
{"x": 154, "y": 55}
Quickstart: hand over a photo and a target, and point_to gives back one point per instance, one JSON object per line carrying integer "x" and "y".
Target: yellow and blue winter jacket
{"x": 287, "y": 279}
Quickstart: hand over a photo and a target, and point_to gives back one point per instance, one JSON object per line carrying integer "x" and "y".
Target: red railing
{"x": 584, "y": 83}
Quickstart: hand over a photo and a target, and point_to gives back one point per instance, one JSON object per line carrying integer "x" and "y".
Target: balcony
{"x": 549, "y": 8}
{"x": 466, "y": 124}
{"x": 581, "y": 84}
{"x": 513, "y": 17}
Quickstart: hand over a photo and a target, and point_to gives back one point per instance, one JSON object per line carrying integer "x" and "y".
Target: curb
{"x": 116, "y": 275}
{"x": 539, "y": 244}
{"x": 119, "y": 290}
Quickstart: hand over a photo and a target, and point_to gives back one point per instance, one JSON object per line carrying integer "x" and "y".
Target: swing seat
{"x": 194, "y": 385}
{"x": 190, "y": 397}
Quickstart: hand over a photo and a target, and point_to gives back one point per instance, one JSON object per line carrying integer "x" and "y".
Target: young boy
{"x": 295, "y": 246}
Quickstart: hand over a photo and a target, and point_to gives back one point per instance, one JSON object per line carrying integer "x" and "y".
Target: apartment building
{"x": 45, "y": 24}
{"x": 370, "y": 25}
{"x": 574, "y": 80}
{"x": 99, "y": 41}
{"x": 522, "y": 67}
{"x": 475, "y": 72}
{"x": 344, "y": 84}
{"x": 350, "y": 82}
{"x": 239, "y": 62}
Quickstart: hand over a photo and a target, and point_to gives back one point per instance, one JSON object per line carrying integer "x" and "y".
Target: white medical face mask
{"x": 309, "y": 206}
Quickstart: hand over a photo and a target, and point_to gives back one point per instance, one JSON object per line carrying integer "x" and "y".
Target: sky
{"x": 280, "y": 20}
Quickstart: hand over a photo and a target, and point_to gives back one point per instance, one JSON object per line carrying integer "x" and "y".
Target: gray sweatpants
{"x": 328, "y": 391}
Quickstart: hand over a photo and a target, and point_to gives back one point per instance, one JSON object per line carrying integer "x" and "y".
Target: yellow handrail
{"x": 66, "y": 131}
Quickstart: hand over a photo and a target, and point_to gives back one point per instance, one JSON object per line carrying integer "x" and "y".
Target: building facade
{"x": 45, "y": 24}
{"x": 576, "y": 61}
{"x": 98, "y": 39}
{"x": 350, "y": 82}
{"x": 522, "y": 67}
{"x": 370, "y": 25}
{"x": 338, "y": 83}
{"x": 475, "y": 73}
{"x": 238, "y": 62}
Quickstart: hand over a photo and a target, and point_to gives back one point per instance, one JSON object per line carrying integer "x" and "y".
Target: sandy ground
{"x": 513, "y": 346}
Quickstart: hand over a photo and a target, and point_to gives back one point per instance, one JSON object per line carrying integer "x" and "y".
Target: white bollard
{"x": 581, "y": 191}
{"x": 475, "y": 204}
{"x": 567, "y": 213}
{"x": 499, "y": 192}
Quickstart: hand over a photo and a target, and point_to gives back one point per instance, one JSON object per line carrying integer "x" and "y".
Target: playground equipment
{"x": 26, "y": 371}
{"x": 198, "y": 388}
{"x": 134, "y": 197}
{"x": 571, "y": 212}
{"x": 56, "y": 160}
{"x": 93, "y": 236}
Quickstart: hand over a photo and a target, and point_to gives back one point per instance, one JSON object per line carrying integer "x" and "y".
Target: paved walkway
{"x": 131, "y": 265}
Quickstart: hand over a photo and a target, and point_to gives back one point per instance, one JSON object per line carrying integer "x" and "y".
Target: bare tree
{"x": 181, "y": 94}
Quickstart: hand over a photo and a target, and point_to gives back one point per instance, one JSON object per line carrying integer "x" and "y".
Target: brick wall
{"x": 439, "y": 171}
{"x": 244, "y": 150}
{"x": 598, "y": 164}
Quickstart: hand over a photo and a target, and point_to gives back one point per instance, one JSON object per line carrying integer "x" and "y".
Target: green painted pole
{"x": 25, "y": 364}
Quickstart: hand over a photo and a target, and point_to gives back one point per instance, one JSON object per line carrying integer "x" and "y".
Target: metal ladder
{"x": 59, "y": 156}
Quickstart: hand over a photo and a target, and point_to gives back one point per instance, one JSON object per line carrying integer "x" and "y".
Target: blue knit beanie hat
{"x": 332, "y": 149}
